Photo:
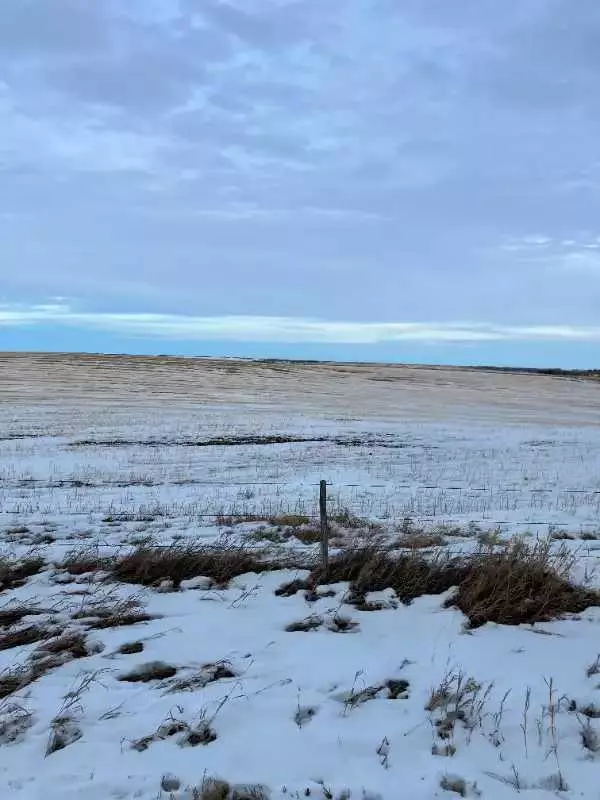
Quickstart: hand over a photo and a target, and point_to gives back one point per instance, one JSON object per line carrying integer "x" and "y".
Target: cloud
{"x": 356, "y": 162}
{"x": 284, "y": 330}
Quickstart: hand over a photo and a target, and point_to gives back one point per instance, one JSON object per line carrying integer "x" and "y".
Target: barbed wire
{"x": 68, "y": 484}
{"x": 250, "y": 517}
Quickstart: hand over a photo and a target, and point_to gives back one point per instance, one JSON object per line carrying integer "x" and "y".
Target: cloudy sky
{"x": 415, "y": 180}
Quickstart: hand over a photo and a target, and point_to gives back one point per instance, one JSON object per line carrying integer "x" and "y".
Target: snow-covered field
{"x": 113, "y": 689}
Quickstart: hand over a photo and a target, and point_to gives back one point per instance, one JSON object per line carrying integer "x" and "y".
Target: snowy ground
{"x": 300, "y": 713}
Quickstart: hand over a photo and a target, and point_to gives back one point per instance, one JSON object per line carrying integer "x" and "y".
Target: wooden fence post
{"x": 324, "y": 525}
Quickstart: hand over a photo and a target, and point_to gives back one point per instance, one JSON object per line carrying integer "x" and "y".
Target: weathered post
{"x": 324, "y": 525}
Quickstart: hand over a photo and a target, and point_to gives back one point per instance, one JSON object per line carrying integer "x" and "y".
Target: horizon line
{"x": 548, "y": 370}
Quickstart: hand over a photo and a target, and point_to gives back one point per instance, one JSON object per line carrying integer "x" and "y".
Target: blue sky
{"x": 414, "y": 181}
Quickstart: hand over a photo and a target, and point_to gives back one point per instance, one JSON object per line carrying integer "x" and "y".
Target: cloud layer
{"x": 283, "y": 160}
{"x": 284, "y": 330}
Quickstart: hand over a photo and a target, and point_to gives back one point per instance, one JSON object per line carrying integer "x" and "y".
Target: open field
{"x": 151, "y": 510}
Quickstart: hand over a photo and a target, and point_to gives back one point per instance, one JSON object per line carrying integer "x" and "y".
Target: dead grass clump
{"x": 304, "y": 714}
{"x": 151, "y": 671}
{"x": 16, "y": 572}
{"x": 13, "y": 679}
{"x": 342, "y": 624}
{"x": 130, "y": 648}
{"x": 112, "y": 613}
{"x": 209, "y": 673}
{"x": 212, "y": 789}
{"x": 420, "y": 541}
{"x": 304, "y": 625}
{"x": 199, "y": 734}
{"x": 231, "y": 520}
{"x": 307, "y": 535}
{"x": 590, "y": 738}
{"x": 216, "y": 789}
{"x": 71, "y": 645}
{"x": 12, "y": 614}
{"x": 63, "y": 732}
{"x": 520, "y": 584}
{"x": 189, "y": 735}
{"x": 397, "y": 689}
{"x": 272, "y": 535}
{"x": 371, "y": 569}
{"x": 165, "y": 731}
{"x": 170, "y": 783}
{"x": 490, "y": 539}
{"x": 23, "y": 636}
{"x": 561, "y": 536}
{"x": 458, "y": 698}
{"x": 15, "y": 721}
{"x": 150, "y": 565}
{"x": 594, "y": 667}
{"x": 291, "y": 588}
{"x": 122, "y": 613}
{"x": 452, "y": 783}
{"x": 346, "y": 519}
{"x": 289, "y": 520}
{"x": 115, "y": 519}
{"x": 590, "y": 711}
{"x": 48, "y": 656}
{"x": 82, "y": 562}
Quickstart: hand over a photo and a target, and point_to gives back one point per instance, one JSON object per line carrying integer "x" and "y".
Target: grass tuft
{"x": 16, "y": 572}
{"x": 12, "y": 614}
{"x": 130, "y": 648}
{"x": 519, "y": 584}
{"x": 151, "y": 671}
{"x": 150, "y": 565}
{"x": 23, "y": 636}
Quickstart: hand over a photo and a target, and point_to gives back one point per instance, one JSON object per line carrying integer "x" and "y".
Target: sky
{"x": 352, "y": 179}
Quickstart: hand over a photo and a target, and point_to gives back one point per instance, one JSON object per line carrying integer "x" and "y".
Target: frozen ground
{"x": 102, "y": 454}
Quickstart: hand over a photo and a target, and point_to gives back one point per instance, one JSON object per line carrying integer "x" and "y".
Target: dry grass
{"x": 13, "y": 613}
{"x": 130, "y": 648}
{"x": 71, "y": 645}
{"x": 188, "y": 735}
{"x": 51, "y": 654}
{"x": 84, "y": 561}
{"x": 289, "y": 520}
{"x": 420, "y": 541}
{"x": 344, "y": 518}
{"x": 342, "y": 624}
{"x": 231, "y": 520}
{"x": 151, "y": 671}
{"x": 209, "y": 673}
{"x": 149, "y": 565}
{"x": 594, "y": 667}
{"x": 454, "y": 784}
{"x": 371, "y": 569}
{"x": 217, "y": 789}
{"x": 64, "y": 731}
{"x": 23, "y": 636}
{"x": 304, "y": 625}
{"x": 115, "y": 614}
{"x": 521, "y": 583}
{"x": 590, "y": 711}
{"x": 16, "y": 572}
{"x": 590, "y": 738}
{"x": 13, "y": 679}
{"x": 15, "y": 721}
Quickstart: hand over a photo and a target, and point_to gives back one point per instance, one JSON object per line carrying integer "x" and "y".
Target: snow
{"x": 299, "y": 713}
{"x": 279, "y": 673}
